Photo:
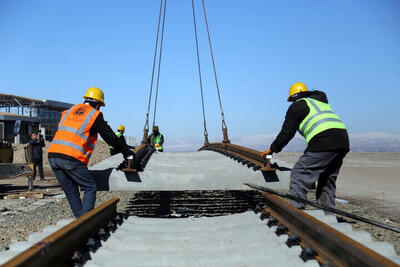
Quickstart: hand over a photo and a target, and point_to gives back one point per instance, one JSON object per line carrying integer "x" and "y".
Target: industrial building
{"x": 21, "y": 116}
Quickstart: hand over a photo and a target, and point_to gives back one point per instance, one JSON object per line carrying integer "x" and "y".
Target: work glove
{"x": 128, "y": 153}
{"x": 157, "y": 145}
{"x": 266, "y": 152}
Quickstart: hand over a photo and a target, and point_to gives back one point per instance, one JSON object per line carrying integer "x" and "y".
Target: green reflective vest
{"x": 118, "y": 134}
{"x": 157, "y": 140}
{"x": 320, "y": 118}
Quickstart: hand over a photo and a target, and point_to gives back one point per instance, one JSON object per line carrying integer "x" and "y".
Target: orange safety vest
{"x": 72, "y": 137}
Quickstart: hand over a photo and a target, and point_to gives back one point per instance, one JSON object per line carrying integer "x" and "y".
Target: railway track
{"x": 156, "y": 231}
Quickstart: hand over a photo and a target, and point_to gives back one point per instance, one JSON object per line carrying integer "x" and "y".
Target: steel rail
{"x": 318, "y": 240}
{"x": 242, "y": 154}
{"x": 57, "y": 249}
{"x": 328, "y": 209}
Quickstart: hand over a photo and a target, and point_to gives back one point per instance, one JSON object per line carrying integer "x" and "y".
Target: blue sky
{"x": 349, "y": 49}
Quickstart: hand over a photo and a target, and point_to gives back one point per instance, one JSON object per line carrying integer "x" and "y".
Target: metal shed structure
{"x": 47, "y": 113}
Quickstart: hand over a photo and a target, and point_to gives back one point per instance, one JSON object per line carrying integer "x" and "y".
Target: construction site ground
{"x": 368, "y": 186}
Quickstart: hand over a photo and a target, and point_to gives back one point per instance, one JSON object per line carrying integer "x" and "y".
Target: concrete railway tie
{"x": 231, "y": 240}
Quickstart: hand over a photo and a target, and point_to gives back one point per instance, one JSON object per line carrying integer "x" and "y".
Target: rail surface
{"x": 58, "y": 248}
{"x": 244, "y": 155}
{"x": 318, "y": 240}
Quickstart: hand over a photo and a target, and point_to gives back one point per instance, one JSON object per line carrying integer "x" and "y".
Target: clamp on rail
{"x": 143, "y": 154}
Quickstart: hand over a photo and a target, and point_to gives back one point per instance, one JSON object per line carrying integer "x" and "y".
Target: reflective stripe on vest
{"x": 118, "y": 134}
{"x": 72, "y": 137}
{"x": 320, "y": 118}
{"x": 157, "y": 140}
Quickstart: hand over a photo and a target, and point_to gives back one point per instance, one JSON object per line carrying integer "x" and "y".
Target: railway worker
{"x": 157, "y": 139}
{"x": 37, "y": 143}
{"x": 327, "y": 140}
{"x": 72, "y": 145}
{"x": 120, "y": 134}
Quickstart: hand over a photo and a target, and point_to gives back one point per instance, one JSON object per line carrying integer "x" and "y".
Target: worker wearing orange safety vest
{"x": 327, "y": 144}
{"x": 72, "y": 146}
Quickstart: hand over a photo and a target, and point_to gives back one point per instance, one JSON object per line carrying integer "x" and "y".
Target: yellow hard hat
{"x": 295, "y": 89}
{"x": 121, "y": 128}
{"x": 95, "y": 94}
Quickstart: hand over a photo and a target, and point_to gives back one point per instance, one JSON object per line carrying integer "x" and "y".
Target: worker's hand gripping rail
{"x": 244, "y": 155}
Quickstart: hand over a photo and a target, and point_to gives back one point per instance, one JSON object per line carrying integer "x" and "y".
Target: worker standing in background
{"x": 37, "y": 143}
{"x": 72, "y": 145}
{"x": 120, "y": 134}
{"x": 157, "y": 139}
{"x": 327, "y": 140}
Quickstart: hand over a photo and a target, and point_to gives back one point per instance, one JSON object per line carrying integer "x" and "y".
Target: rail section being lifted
{"x": 244, "y": 155}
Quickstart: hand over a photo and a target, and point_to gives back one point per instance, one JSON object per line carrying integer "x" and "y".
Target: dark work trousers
{"x": 73, "y": 175}
{"x": 38, "y": 163}
{"x": 312, "y": 167}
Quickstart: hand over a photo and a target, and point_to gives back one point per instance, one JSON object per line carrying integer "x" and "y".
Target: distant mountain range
{"x": 368, "y": 142}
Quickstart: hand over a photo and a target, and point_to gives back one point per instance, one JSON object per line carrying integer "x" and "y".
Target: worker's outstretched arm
{"x": 294, "y": 116}
{"x": 123, "y": 140}
{"x": 100, "y": 126}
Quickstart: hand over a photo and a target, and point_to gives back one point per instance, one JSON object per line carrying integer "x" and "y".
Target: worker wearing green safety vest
{"x": 157, "y": 139}
{"x": 120, "y": 134}
{"x": 327, "y": 144}
{"x": 320, "y": 118}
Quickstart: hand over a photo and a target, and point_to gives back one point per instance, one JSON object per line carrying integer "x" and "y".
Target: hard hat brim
{"x": 101, "y": 102}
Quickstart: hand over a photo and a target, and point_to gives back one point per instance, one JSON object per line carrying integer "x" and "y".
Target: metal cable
{"x": 159, "y": 63}
{"x": 199, "y": 69}
{"x": 213, "y": 63}
{"x": 146, "y": 125}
